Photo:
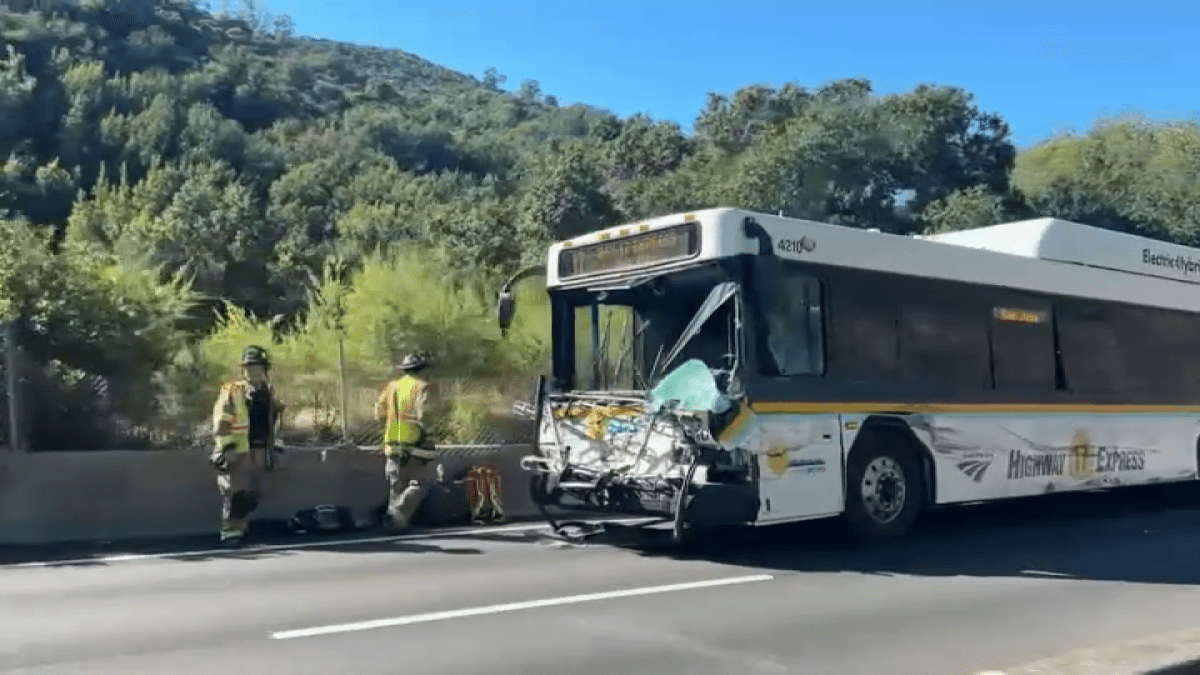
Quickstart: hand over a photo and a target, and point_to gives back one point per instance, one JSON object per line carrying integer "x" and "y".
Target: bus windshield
{"x": 626, "y": 339}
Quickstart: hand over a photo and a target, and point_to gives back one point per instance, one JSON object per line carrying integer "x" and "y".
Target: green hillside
{"x": 176, "y": 183}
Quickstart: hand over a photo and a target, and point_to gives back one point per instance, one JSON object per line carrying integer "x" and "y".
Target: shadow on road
{"x": 359, "y": 547}
{"x": 265, "y": 541}
{"x": 1140, "y": 535}
{"x": 249, "y": 552}
{"x": 1190, "y": 668}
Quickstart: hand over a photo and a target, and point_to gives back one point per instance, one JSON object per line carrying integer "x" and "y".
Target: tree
{"x": 254, "y": 15}
{"x": 565, "y": 198}
{"x": 976, "y": 206}
{"x": 645, "y": 148}
{"x": 1127, "y": 174}
{"x": 732, "y": 123}
{"x": 530, "y": 91}
{"x": 838, "y": 153}
{"x": 283, "y": 27}
{"x": 948, "y": 143}
{"x": 492, "y": 79}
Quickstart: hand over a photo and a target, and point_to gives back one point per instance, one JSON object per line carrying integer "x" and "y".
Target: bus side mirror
{"x": 506, "y": 303}
{"x": 754, "y": 230}
{"x": 504, "y": 310}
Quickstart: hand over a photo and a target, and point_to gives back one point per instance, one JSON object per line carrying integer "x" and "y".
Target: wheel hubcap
{"x": 883, "y": 490}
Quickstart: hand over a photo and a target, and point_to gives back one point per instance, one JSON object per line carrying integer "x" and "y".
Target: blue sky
{"x": 1045, "y": 66}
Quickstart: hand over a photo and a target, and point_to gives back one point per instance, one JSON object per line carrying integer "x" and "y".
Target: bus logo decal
{"x": 1081, "y": 465}
{"x": 777, "y": 460}
{"x": 975, "y": 468}
{"x": 812, "y": 465}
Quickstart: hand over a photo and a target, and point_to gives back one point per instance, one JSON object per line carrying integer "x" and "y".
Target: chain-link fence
{"x": 326, "y": 405}
{"x": 460, "y": 411}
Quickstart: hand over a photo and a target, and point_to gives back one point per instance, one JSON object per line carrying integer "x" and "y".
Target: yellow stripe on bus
{"x": 735, "y": 427}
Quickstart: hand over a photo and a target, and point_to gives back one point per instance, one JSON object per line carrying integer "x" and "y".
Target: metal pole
{"x": 13, "y": 380}
{"x": 594, "y": 315}
{"x": 342, "y": 388}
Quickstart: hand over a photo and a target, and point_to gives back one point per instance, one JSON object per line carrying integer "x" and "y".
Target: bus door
{"x": 800, "y": 460}
{"x": 800, "y": 466}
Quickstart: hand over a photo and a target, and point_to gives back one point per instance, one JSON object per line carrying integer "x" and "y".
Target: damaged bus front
{"x": 646, "y": 390}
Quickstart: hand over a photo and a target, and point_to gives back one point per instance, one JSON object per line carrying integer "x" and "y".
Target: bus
{"x": 733, "y": 368}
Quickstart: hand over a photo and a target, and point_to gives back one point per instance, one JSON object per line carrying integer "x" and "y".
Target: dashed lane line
{"x": 512, "y": 607}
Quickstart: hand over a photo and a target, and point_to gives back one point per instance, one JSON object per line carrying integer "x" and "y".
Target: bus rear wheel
{"x": 884, "y": 490}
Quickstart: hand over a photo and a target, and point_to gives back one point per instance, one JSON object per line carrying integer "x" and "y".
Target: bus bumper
{"x": 706, "y": 505}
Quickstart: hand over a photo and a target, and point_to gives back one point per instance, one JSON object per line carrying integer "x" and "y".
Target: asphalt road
{"x": 977, "y": 589}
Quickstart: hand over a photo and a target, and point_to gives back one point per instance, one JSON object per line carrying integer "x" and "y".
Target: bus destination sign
{"x": 673, "y": 243}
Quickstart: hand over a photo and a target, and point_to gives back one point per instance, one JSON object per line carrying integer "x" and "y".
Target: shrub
{"x": 94, "y": 333}
{"x": 405, "y": 299}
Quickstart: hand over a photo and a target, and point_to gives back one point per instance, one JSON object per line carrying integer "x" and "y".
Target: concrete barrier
{"x": 58, "y": 497}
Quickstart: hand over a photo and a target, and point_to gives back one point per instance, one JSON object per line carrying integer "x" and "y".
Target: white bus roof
{"x": 1045, "y": 255}
{"x": 1068, "y": 242}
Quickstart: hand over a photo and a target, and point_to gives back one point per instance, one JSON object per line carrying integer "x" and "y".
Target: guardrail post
{"x": 12, "y": 365}
{"x": 342, "y": 388}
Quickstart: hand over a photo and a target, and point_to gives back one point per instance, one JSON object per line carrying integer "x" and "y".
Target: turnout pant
{"x": 240, "y": 489}
{"x": 408, "y": 481}
{"x": 483, "y": 490}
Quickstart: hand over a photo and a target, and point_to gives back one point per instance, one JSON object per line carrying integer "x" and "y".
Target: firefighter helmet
{"x": 255, "y": 356}
{"x": 414, "y": 361}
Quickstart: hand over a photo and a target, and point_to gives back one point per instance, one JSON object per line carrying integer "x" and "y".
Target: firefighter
{"x": 246, "y": 418}
{"x": 410, "y": 458}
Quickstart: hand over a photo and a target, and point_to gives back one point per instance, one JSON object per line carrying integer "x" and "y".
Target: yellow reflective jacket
{"x": 402, "y": 406}
{"x": 231, "y": 416}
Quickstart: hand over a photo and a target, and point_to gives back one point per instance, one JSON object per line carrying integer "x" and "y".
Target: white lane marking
{"x": 1043, "y": 573}
{"x": 322, "y": 543}
{"x": 512, "y": 607}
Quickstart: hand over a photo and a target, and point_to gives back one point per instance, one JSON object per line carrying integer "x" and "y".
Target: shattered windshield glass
{"x": 691, "y": 384}
{"x": 717, "y": 298}
{"x": 621, "y": 339}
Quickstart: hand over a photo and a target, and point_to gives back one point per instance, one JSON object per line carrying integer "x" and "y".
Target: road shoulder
{"x": 1175, "y": 653}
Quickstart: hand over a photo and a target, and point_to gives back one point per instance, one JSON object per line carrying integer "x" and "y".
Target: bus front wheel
{"x": 543, "y": 489}
{"x": 884, "y": 488}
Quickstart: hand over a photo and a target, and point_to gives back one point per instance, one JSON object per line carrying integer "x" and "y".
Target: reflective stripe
{"x": 239, "y": 419}
{"x": 403, "y": 426}
{"x": 397, "y": 449}
{"x": 406, "y": 405}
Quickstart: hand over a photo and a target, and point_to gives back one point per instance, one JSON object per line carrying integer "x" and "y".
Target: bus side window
{"x": 945, "y": 344}
{"x": 1093, "y": 358}
{"x": 1023, "y": 348}
{"x": 1155, "y": 348}
{"x": 793, "y": 334}
{"x": 863, "y": 329}
{"x": 1162, "y": 345}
